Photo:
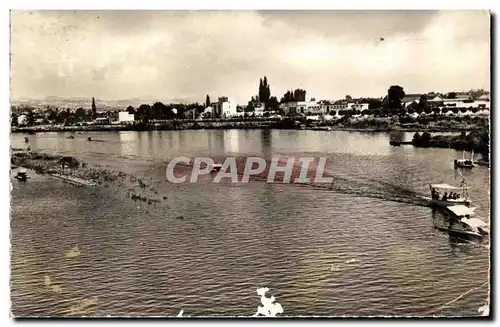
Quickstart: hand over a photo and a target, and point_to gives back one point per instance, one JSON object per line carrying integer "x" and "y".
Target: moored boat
{"x": 464, "y": 163}
{"x": 22, "y": 175}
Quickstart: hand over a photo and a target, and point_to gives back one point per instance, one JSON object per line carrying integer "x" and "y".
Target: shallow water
{"x": 355, "y": 250}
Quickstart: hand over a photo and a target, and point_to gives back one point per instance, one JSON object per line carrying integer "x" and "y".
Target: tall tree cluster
{"x": 264, "y": 91}
{"x": 291, "y": 96}
{"x": 395, "y": 95}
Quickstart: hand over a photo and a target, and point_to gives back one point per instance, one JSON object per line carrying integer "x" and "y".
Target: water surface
{"x": 350, "y": 251}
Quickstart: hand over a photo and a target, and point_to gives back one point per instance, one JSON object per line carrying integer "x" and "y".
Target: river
{"x": 355, "y": 250}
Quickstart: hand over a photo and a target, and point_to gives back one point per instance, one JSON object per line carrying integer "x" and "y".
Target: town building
{"x": 207, "y": 112}
{"x": 301, "y": 107}
{"x": 125, "y": 117}
{"x": 358, "y": 106}
{"x": 224, "y": 107}
{"x": 408, "y": 99}
{"x": 258, "y": 109}
{"x": 227, "y": 108}
{"x": 22, "y": 120}
{"x": 436, "y": 99}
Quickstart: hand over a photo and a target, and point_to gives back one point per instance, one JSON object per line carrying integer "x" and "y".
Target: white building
{"x": 223, "y": 108}
{"x": 437, "y": 98}
{"x": 319, "y": 108}
{"x": 208, "y": 112}
{"x": 228, "y": 108}
{"x": 484, "y": 97}
{"x": 482, "y": 104}
{"x": 125, "y": 117}
{"x": 301, "y": 107}
{"x": 314, "y": 108}
{"x": 259, "y": 109}
{"x": 22, "y": 120}
{"x": 358, "y": 106}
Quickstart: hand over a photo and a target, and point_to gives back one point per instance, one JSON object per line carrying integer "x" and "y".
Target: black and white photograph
{"x": 250, "y": 163}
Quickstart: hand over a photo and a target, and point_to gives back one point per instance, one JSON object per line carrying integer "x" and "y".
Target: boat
{"x": 22, "y": 175}
{"x": 482, "y": 162}
{"x": 395, "y": 138}
{"x": 394, "y": 143}
{"x": 464, "y": 163}
{"x": 460, "y": 220}
{"x": 438, "y": 190}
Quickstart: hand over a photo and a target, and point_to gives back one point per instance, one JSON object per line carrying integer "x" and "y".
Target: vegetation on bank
{"x": 477, "y": 141}
{"x": 44, "y": 163}
{"x": 429, "y": 123}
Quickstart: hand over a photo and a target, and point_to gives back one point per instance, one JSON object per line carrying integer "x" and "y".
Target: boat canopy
{"x": 445, "y": 186}
{"x": 461, "y": 210}
{"x": 23, "y": 170}
{"x": 474, "y": 222}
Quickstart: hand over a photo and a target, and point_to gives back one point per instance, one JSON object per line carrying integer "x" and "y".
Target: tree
{"x": 162, "y": 111}
{"x": 273, "y": 104}
{"x": 413, "y": 106}
{"x": 264, "y": 91}
{"x": 130, "y": 110}
{"x": 374, "y": 104}
{"x": 250, "y": 107}
{"x": 94, "y": 109}
{"x": 207, "y": 101}
{"x": 143, "y": 113}
{"x": 181, "y": 112}
{"x": 348, "y": 98}
{"x": 422, "y": 103}
{"x": 80, "y": 114}
{"x": 30, "y": 118}
{"x": 299, "y": 95}
{"x": 52, "y": 114}
{"x": 451, "y": 95}
{"x": 291, "y": 96}
{"x": 475, "y": 94}
{"x": 13, "y": 120}
{"x": 394, "y": 96}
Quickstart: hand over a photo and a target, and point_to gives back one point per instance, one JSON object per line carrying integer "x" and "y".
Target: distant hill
{"x": 86, "y": 103}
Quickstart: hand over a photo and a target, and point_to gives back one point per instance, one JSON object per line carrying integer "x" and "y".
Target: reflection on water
{"x": 132, "y": 259}
{"x": 231, "y": 141}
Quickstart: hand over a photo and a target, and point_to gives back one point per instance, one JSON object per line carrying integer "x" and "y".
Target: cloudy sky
{"x": 168, "y": 55}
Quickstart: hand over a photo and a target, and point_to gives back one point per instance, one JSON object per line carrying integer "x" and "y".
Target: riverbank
{"x": 363, "y": 125}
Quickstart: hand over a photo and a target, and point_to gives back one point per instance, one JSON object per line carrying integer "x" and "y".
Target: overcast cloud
{"x": 169, "y": 55}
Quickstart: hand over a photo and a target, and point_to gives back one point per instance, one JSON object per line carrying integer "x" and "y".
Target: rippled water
{"x": 350, "y": 251}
